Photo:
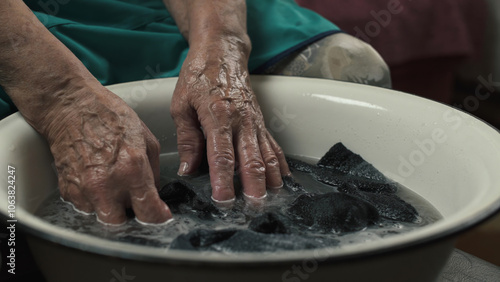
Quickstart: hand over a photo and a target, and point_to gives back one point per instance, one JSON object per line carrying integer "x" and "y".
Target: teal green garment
{"x": 129, "y": 40}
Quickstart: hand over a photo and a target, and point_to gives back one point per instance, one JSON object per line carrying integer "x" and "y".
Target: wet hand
{"x": 213, "y": 105}
{"x": 107, "y": 160}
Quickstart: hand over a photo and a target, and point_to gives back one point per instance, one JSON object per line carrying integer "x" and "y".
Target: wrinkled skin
{"x": 107, "y": 160}
{"x": 214, "y": 92}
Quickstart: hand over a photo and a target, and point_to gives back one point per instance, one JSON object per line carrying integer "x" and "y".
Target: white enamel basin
{"x": 448, "y": 157}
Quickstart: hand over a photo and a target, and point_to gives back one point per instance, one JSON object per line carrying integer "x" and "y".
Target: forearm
{"x": 36, "y": 70}
{"x": 213, "y": 92}
{"x": 208, "y": 24}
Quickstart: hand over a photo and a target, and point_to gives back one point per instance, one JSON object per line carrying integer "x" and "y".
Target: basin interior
{"x": 446, "y": 156}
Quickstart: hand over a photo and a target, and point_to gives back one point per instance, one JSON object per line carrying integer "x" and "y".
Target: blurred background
{"x": 445, "y": 50}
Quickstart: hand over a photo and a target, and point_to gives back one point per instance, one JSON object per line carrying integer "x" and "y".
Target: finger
{"x": 252, "y": 167}
{"x": 149, "y": 208}
{"x": 63, "y": 186}
{"x": 220, "y": 155}
{"x": 109, "y": 201}
{"x": 153, "y": 152}
{"x": 140, "y": 191}
{"x": 71, "y": 194}
{"x": 284, "y": 169}
{"x": 78, "y": 200}
{"x": 255, "y": 205}
{"x": 190, "y": 141}
{"x": 111, "y": 212}
{"x": 273, "y": 175}
{"x": 106, "y": 188}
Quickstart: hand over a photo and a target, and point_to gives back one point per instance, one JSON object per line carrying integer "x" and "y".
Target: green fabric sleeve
{"x": 129, "y": 40}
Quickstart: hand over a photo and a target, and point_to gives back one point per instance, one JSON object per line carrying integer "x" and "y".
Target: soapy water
{"x": 57, "y": 212}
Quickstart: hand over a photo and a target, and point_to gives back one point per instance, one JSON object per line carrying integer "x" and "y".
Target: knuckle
{"x": 221, "y": 108}
{"x": 223, "y": 132}
{"x": 180, "y": 111}
{"x": 189, "y": 136}
{"x": 131, "y": 164}
{"x": 225, "y": 160}
{"x": 133, "y": 158}
{"x": 279, "y": 152}
{"x": 247, "y": 119}
{"x": 189, "y": 148}
{"x": 176, "y": 111}
{"x": 254, "y": 167}
{"x": 271, "y": 161}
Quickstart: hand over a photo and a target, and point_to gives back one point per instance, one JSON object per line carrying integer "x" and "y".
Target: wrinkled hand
{"x": 107, "y": 159}
{"x": 213, "y": 100}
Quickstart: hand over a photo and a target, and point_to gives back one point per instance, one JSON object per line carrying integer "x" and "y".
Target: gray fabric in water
{"x": 267, "y": 233}
{"x": 361, "y": 196}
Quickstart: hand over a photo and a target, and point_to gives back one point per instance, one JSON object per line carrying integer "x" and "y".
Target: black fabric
{"x": 270, "y": 223}
{"x": 360, "y": 197}
{"x": 232, "y": 240}
{"x": 201, "y": 239}
{"x": 342, "y": 159}
{"x": 333, "y": 212}
{"x": 389, "y": 206}
{"x": 267, "y": 233}
{"x": 181, "y": 194}
{"x": 140, "y": 241}
{"x": 334, "y": 177}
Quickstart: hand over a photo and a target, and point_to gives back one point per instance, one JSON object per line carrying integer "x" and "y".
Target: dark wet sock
{"x": 270, "y": 223}
{"x": 333, "y": 212}
{"x": 333, "y": 177}
{"x": 178, "y": 193}
{"x": 344, "y": 160}
{"x": 389, "y": 206}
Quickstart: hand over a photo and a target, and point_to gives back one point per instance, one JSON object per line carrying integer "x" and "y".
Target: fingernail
{"x": 183, "y": 167}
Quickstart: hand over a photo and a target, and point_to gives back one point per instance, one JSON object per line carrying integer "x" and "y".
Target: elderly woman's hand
{"x": 213, "y": 100}
{"x": 106, "y": 158}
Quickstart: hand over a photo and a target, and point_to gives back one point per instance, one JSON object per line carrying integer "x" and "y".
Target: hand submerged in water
{"x": 107, "y": 159}
{"x": 214, "y": 106}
